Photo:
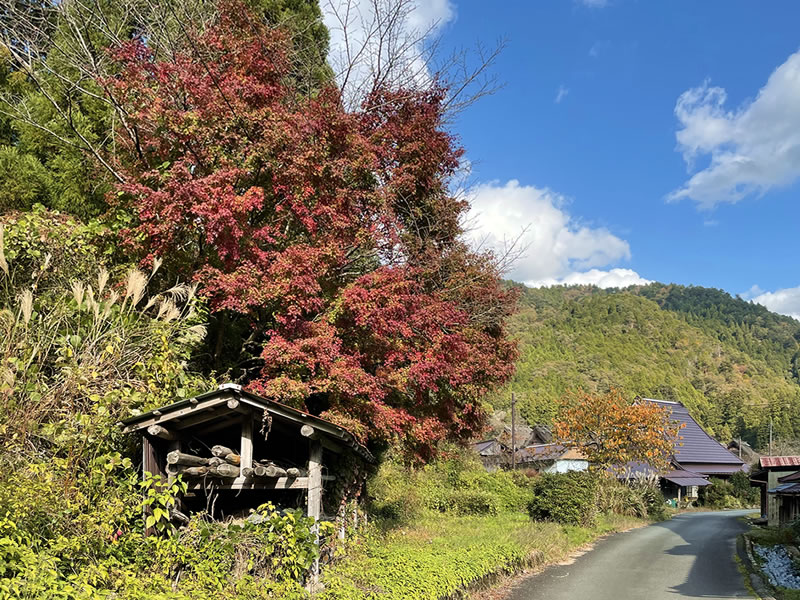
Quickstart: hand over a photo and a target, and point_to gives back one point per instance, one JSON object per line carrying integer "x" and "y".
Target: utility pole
{"x": 513, "y": 432}
{"x": 770, "y": 433}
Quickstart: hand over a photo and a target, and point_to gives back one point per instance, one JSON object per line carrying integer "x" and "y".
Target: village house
{"x": 551, "y": 458}
{"x": 677, "y": 483}
{"x": 495, "y": 453}
{"x": 778, "y": 479}
{"x": 237, "y": 451}
{"x": 696, "y": 457}
{"x": 696, "y": 451}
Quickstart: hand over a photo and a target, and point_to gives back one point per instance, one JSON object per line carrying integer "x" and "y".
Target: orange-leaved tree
{"x": 612, "y": 431}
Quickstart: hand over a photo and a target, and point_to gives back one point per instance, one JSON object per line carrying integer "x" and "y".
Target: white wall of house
{"x": 566, "y": 465}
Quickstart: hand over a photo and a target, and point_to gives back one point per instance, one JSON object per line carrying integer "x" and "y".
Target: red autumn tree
{"x": 331, "y": 238}
{"x": 613, "y": 431}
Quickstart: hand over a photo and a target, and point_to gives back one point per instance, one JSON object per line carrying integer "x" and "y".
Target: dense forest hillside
{"x": 731, "y": 362}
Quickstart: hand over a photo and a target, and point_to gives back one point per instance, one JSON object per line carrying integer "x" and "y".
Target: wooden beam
{"x": 195, "y": 407}
{"x": 245, "y": 483}
{"x": 246, "y": 444}
{"x": 161, "y": 432}
{"x": 309, "y": 432}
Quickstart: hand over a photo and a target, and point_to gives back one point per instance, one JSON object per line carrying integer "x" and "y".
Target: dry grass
{"x": 62, "y": 348}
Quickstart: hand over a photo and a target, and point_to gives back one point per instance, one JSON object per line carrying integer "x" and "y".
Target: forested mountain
{"x": 731, "y": 362}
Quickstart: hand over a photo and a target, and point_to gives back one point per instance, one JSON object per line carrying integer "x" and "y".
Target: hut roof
{"x": 191, "y": 411}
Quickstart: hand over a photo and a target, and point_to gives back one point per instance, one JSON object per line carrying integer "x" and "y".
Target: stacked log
{"x": 177, "y": 457}
{"x": 224, "y": 470}
{"x": 227, "y": 455}
{"x": 198, "y": 466}
{"x": 225, "y": 464}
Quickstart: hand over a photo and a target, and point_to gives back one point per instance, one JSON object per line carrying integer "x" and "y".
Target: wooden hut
{"x": 245, "y": 450}
{"x": 779, "y": 494}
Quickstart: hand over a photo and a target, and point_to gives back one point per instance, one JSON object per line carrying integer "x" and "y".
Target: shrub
{"x": 620, "y": 498}
{"x": 720, "y": 494}
{"x": 459, "y": 485}
{"x": 569, "y": 498}
{"x": 473, "y": 502}
{"x": 393, "y": 493}
{"x": 653, "y": 500}
{"x": 742, "y": 490}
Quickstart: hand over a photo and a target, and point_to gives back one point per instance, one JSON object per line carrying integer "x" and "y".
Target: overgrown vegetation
{"x": 82, "y": 348}
{"x": 734, "y": 492}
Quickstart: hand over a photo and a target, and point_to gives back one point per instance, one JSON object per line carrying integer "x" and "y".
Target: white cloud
{"x": 561, "y": 94}
{"x": 754, "y": 291}
{"x": 557, "y": 248}
{"x": 604, "y": 279}
{"x": 362, "y": 43}
{"x": 751, "y": 149}
{"x": 785, "y": 301}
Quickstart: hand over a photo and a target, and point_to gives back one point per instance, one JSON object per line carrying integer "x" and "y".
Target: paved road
{"x": 690, "y": 556}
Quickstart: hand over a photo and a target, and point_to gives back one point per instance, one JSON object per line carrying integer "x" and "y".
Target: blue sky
{"x": 638, "y": 140}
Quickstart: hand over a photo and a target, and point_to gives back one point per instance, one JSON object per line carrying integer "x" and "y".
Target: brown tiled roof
{"x": 779, "y": 461}
{"x": 539, "y": 452}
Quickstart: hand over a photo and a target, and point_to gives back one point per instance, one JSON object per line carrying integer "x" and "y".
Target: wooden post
{"x": 150, "y": 464}
{"x": 246, "y": 445}
{"x": 679, "y": 496}
{"x": 315, "y": 496}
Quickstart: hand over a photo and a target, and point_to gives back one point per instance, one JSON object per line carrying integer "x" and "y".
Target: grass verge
{"x": 442, "y": 556}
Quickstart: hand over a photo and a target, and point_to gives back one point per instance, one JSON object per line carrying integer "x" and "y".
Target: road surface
{"x": 689, "y": 556}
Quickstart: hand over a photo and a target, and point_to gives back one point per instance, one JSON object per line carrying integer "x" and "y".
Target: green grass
{"x": 441, "y": 554}
{"x": 770, "y": 536}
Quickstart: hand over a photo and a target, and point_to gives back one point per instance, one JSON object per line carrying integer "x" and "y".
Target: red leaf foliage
{"x": 334, "y": 233}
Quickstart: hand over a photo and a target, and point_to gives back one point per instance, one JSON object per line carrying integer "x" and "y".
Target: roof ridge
{"x": 664, "y": 401}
